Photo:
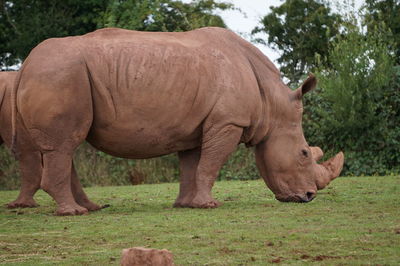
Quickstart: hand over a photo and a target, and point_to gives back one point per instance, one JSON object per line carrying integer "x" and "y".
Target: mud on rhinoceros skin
{"x": 141, "y": 95}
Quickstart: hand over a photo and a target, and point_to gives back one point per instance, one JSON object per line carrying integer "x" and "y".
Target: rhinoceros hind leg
{"x": 217, "y": 145}
{"x": 80, "y": 195}
{"x": 56, "y": 181}
{"x": 31, "y": 174}
{"x": 188, "y": 162}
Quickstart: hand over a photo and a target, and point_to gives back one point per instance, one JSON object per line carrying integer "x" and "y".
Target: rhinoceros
{"x": 145, "y": 94}
{"x": 30, "y": 160}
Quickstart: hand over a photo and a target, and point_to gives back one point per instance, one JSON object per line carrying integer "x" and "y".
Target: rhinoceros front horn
{"x": 329, "y": 170}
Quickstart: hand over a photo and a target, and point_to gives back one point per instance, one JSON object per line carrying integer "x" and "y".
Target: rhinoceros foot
{"x": 22, "y": 203}
{"x": 197, "y": 202}
{"x": 184, "y": 202}
{"x": 90, "y": 206}
{"x": 204, "y": 202}
{"x": 71, "y": 210}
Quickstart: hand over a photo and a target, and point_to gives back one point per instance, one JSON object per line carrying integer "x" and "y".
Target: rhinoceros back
{"x": 155, "y": 89}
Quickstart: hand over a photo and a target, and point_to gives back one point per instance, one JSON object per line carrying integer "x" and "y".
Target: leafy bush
{"x": 240, "y": 166}
{"x": 357, "y": 107}
{"x": 9, "y": 176}
{"x": 163, "y": 15}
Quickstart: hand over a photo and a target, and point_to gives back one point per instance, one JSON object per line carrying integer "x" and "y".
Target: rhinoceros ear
{"x": 309, "y": 84}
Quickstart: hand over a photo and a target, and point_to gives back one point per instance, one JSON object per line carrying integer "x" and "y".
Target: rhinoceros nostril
{"x": 310, "y": 196}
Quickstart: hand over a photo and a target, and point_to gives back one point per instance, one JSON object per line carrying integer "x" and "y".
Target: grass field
{"x": 356, "y": 220}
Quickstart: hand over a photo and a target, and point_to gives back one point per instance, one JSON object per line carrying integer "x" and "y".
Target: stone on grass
{"x": 139, "y": 256}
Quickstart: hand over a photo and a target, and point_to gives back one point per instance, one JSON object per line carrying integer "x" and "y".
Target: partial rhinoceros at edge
{"x": 145, "y": 94}
{"x": 30, "y": 159}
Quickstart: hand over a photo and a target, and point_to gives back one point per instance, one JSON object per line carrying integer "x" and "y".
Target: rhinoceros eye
{"x": 304, "y": 152}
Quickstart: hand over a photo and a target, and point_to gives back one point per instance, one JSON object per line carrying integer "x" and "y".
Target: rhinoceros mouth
{"x": 308, "y": 197}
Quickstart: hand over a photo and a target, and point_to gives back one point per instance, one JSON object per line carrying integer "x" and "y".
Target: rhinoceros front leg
{"x": 80, "y": 195}
{"x": 188, "y": 162}
{"x": 31, "y": 174}
{"x": 217, "y": 145}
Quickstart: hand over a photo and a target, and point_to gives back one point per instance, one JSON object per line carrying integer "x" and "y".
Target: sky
{"x": 243, "y": 24}
{"x": 253, "y": 11}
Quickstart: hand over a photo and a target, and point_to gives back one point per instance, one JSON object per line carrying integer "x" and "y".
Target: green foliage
{"x": 358, "y": 66}
{"x": 25, "y": 23}
{"x": 357, "y": 108}
{"x": 99, "y": 169}
{"x": 9, "y": 176}
{"x": 241, "y": 165}
{"x": 387, "y": 12}
{"x": 163, "y": 15}
{"x": 299, "y": 29}
{"x": 355, "y": 221}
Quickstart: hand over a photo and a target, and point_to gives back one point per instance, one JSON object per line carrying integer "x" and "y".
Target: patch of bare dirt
{"x": 226, "y": 250}
{"x": 321, "y": 257}
{"x": 269, "y": 244}
{"x": 277, "y": 260}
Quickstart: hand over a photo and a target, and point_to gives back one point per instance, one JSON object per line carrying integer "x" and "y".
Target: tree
{"x": 163, "y": 15}
{"x": 25, "y": 23}
{"x": 387, "y": 12}
{"x": 299, "y": 29}
{"x": 357, "y": 109}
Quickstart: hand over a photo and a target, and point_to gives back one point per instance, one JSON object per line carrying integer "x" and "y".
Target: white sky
{"x": 243, "y": 24}
{"x": 253, "y": 11}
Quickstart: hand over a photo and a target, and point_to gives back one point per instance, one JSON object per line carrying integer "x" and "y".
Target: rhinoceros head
{"x": 286, "y": 162}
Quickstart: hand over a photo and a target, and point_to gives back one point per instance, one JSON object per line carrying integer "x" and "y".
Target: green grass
{"x": 356, "y": 220}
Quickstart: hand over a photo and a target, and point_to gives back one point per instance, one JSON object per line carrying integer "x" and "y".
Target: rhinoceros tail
{"x": 14, "y": 113}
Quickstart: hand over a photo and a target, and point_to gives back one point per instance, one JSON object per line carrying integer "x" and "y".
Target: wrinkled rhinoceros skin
{"x": 141, "y": 95}
{"x": 30, "y": 159}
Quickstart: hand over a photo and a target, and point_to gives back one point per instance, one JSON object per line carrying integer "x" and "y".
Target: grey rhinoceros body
{"x": 157, "y": 89}
{"x": 140, "y": 95}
